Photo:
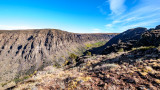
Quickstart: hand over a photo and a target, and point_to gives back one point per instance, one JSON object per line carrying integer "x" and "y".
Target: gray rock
{"x": 25, "y": 51}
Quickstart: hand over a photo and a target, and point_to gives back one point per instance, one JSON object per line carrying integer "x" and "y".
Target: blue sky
{"x": 79, "y": 16}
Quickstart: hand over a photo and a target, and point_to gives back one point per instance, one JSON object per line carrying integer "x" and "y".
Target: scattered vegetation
{"x": 97, "y": 44}
{"x": 144, "y": 48}
{"x": 18, "y": 79}
{"x": 3, "y": 84}
{"x": 57, "y": 65}
{"x": 73, "y": 84}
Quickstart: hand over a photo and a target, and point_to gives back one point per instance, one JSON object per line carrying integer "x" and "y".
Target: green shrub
{"x": 89, "y": 45}
{"x": 121, "y": 50}
{"x": 88, "y": 53}
{"x": 57, "y": 65}
{"x": 21, "y": 79}
{"x": 73, "y": 56}
{"x": 3, "y": 84}
{"x": 143, "y": 48}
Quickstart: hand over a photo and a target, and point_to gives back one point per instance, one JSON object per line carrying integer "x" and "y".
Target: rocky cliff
{"x": 134, "y": 38}
{"x": 23, "y": 52}
{"x": 150, "y": 37}
{"x": 125, "y": 40}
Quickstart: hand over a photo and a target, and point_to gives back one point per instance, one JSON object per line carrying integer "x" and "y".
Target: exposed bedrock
{"x": 22, "y": 52}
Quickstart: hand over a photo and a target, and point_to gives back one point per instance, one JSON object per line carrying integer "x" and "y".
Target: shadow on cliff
{"x": 96, "y": 50}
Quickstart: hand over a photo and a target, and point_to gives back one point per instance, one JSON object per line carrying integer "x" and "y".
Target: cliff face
{"x": 125, "y": 40}
{"x": 23, "y": 52}
{"x": 134, "y": 38}
{"x": 131, "y": 34}
{"x": 150, "y": 38}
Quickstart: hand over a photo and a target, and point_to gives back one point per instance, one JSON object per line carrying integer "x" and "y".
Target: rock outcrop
{"x": 125, "y": 40}
{"x": 150, "y": 38}
{"x": 134, "y": 38}
{"x": 23, "y": 52}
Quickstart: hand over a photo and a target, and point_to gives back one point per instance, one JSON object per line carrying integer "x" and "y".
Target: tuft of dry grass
{"x": 157, "y": 81}
{"x": 143, "y": 48}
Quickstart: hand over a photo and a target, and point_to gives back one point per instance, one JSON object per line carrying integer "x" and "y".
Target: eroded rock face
{"x": 157, "y": 27}
{"x": 150, "y": 38}
{"x": 125, "y": 40}
{"x": 134, "y": 38}
{"x": 23, "y": 52}
{"x": 131, "y": 34}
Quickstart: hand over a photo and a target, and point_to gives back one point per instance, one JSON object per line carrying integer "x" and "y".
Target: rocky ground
{"x": 137, "y": 69}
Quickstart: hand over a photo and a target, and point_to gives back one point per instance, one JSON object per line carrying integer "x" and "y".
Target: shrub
{"x": 88, "y": 45}
{"x": 73, "y": 56}
{"x": 57, "y": 65}
{"x": 66, "y": 63}
{"x": 143, "y": 48}
{"x": 121, "y": 50}
{"x": 88, "y": 53}
{"x": 3, "y": 84}
{"x": 21, "y": 79}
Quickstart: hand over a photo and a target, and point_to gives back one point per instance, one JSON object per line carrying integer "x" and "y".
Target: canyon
{"x": 25, "y": 51}
{"x": 71, "y": 61}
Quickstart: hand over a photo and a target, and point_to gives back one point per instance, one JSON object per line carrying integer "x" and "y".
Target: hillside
{"x": 24, "y": 51}
{"x": 133, "y": 38}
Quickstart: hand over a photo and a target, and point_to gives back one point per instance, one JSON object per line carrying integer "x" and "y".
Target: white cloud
{"x": 109, "y": 25}
{"x": 96, "y": 30}
{"x": 117, "y": 6}
{"x": 140, "y": 24}
{"x": 145, "y": 14}
{"x": 7, "y": 27}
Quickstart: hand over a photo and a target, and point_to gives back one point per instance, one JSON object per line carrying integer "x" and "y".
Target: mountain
{"x": 25, "y": 51}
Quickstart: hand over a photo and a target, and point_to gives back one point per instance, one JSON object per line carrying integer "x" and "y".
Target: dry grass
{"x": 157, "y": 81}
{"x": 143, "y": 48}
